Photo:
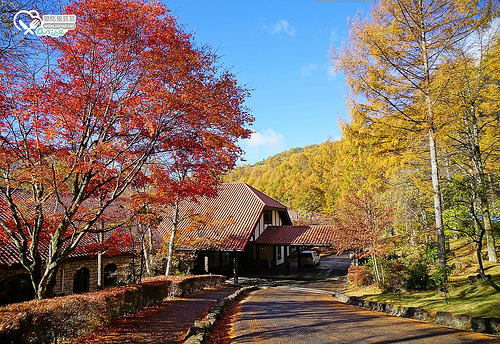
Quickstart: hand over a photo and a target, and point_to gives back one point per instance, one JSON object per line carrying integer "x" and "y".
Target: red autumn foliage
{"x": 118, "y": 242}
{"x": 361, "y": 223}
{"x": 124, "y": 90}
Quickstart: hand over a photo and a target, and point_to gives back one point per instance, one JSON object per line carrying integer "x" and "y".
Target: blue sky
{"x": 280, "y": 50}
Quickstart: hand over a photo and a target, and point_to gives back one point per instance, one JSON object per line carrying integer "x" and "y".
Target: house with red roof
{"x": 240, "y": 229}
{"x": 243, "y": 229}
{"x": 231, "y": 223}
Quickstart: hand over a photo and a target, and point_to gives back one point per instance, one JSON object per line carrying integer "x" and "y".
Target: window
{"x": 268, "y": 217}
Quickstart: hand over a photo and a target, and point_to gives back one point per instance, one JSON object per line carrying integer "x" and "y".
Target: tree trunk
{"x": 476, "y": 157}
{"x": 375, "y": 269}
{"x": 172, "y": 239}
{"x": 45, "y": 288}
{"x": 479, "y": 246}
{"x": 100, "y": 284}
{"x": 441, "y": 242}
{"x": 441, "y": 245}
{"x": 150, "y": 245}
{"x": 490, "y": 237}
{"x": 147, "y": 262}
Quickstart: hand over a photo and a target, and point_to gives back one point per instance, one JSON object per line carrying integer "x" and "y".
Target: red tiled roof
{"x": 8, "y": 252}
{"x": 298, "y": 236}
{"x": 233, "y": 213}
{"x": 268, "y": 201}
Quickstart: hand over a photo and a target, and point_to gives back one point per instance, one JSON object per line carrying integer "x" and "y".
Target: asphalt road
{"x": 303, "y": 311}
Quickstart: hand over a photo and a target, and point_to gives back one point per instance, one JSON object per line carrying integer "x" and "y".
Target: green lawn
{"x": 478, "y": 299}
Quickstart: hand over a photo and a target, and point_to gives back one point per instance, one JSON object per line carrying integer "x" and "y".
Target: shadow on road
{"x": 330, "y": 275}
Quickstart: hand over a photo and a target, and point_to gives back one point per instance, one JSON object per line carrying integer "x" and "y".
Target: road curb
{"x": 198, "y": 333}
{"x": 457, "y": 321}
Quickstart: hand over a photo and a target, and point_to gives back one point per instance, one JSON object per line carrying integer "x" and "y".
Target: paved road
{"x": 300, "y": 309}
{"x": 329, "y": 275}
{"x": 281, "y": 315}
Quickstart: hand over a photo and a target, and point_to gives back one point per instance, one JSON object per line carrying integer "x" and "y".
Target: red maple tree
{"x": 126, "y": 88}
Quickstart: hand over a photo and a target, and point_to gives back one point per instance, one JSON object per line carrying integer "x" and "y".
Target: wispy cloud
{"x": 319, "y": 70}
{"x": 309, "y": 69}
{"x": 334, "y": 36}
{"x": 478, "y": 43}
{"x": 331, "y": 73}
{"x": 262, "y": 144}
{"x": 279, "y": 27}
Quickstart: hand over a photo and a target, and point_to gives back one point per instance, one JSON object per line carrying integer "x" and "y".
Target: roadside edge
{"x": 198, "y": 333}
{"x": 457, "y": 321}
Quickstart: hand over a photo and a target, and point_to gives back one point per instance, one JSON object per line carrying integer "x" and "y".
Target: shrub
{"x": 65, "y": 318}
{"x": 419, "y": 278}
{"x": 359, "y": 275}
{"x": 393, "y": 275}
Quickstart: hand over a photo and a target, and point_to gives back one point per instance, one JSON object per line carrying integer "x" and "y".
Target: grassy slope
{"x": 478, "y": 299}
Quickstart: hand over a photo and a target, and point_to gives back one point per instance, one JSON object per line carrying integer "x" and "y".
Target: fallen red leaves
{"x": 221, "y": 334}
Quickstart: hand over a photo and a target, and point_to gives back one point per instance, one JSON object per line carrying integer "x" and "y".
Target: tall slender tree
{"x": 471, "y": 99}
{"x": 390, "y": 62}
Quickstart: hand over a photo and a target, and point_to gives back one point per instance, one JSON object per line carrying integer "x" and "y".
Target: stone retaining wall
{"x": 458, "y": 321}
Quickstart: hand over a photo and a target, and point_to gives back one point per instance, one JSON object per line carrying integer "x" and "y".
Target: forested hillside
{"x": 298, "y": 178}
{"x": 418, "y": 162}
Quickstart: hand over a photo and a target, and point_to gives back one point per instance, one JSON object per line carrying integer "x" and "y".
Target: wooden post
{"x": 299, "y": 261}
{"x": 235, "y": 267}
{"x": 287, "y": 259}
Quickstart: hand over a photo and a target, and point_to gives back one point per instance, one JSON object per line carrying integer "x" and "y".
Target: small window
{"x": 268, "y": 217}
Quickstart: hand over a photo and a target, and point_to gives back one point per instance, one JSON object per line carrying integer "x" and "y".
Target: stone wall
{"x": 66, "y": 273}
{"x": 15, "y": 283}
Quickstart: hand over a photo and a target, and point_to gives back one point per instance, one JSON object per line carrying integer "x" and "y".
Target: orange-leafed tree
{"x": 124, "y": 89}
{"x": 361, "y": 224}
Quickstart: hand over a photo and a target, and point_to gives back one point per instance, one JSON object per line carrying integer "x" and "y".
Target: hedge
{"x": 62, "y": 319}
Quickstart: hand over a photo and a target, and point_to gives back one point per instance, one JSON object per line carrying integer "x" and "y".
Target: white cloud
{"x": 262, "y": 144}
{"x": 281, "y": 26}
{"x": 313, "y": 68}
{"x": 334, "y": 36}
{"x": 331, "y": 74}
{"x": 477, "y": 43}
{"x": 267, "y": 138}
